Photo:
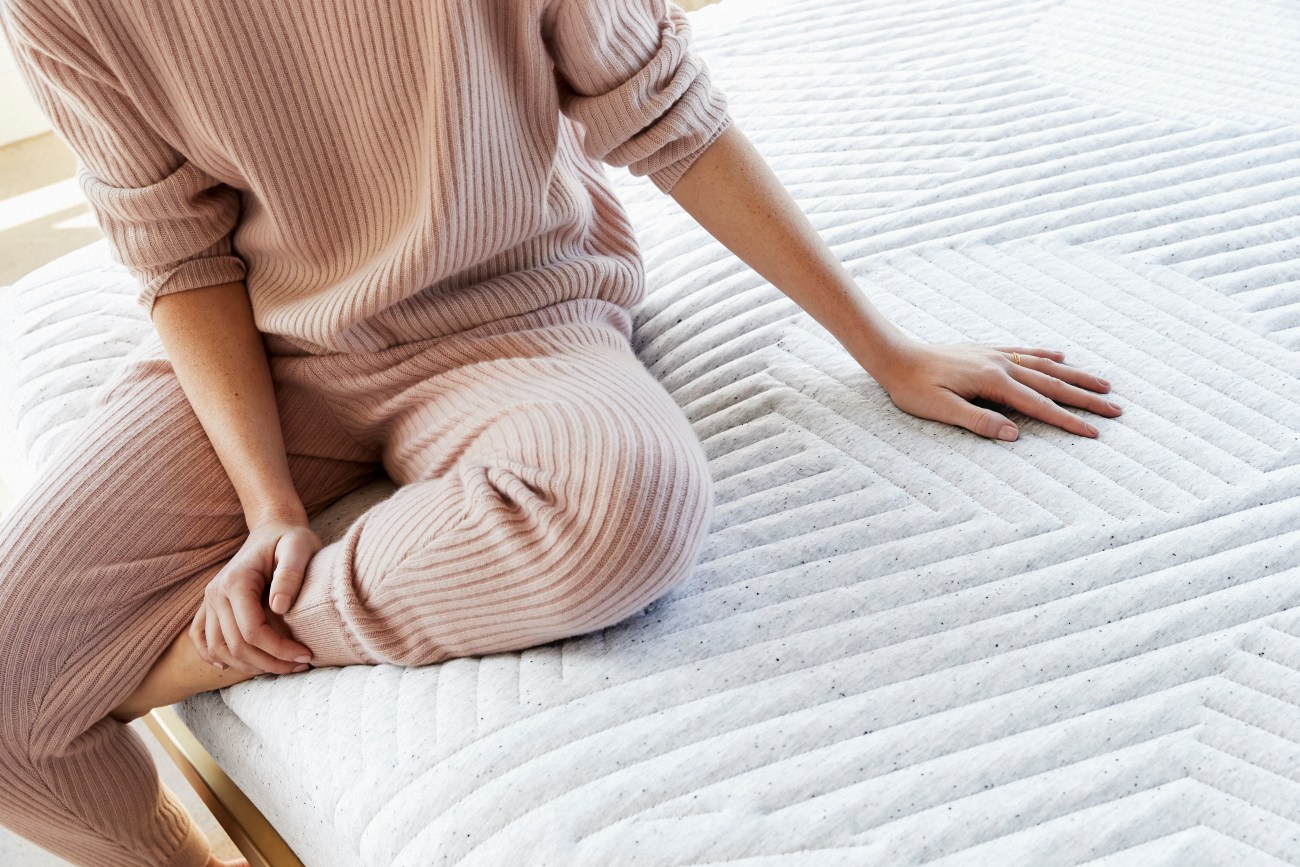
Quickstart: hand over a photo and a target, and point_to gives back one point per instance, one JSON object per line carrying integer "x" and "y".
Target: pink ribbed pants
{"x": 548, "y": 486}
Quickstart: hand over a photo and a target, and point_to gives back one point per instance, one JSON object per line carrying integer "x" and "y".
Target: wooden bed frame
{"x": 247, "y": 828}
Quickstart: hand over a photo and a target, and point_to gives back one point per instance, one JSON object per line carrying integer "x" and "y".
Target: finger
{"x": 281, "y": 654}
{"x": 1063, "y": 392}
{"x": 240, "y": 654}
{"x": 222, "y": 649}
{"x": 956, "y": 410}
{"x": 1033, "y": 403}
{"x": 1038, "y": 351}
{"x": 291, "y": 556}
{"x": 196, "y": 633}
{"x": 212, "y": 637}
{"x": 1072, "y": 375}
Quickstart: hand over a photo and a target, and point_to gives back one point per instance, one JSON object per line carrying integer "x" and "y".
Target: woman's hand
{"x": 939, "y": 382}
{"x": 231, "y": 628}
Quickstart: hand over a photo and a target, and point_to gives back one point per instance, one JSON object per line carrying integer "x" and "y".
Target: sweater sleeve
{"x": 165, "y": 219}
{"x": 627, "y": 72}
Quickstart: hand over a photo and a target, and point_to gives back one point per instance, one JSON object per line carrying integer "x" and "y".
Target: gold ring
{"x": 1015, "y": 356}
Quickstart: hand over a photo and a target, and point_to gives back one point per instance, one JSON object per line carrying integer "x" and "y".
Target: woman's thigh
{"x": 103, "y": 561}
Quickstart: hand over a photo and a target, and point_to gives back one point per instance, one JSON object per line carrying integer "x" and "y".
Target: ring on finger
{"x": 1015, "y": 356}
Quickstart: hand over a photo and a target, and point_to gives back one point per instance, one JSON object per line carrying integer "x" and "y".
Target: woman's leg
{"x": 102, "y": 564}
{"x": 550, "y": 486}
{"x": 179, "y": 672}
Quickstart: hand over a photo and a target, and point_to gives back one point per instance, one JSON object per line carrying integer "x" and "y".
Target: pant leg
{"x": 102, "y": 564}
{"x": 548, "y": 486}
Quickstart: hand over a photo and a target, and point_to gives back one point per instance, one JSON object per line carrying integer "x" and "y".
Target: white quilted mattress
{"x": 905, "y": 644}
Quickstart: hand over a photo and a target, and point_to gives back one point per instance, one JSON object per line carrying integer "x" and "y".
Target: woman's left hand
{"x": 230, "y": 628}
{"x": 939, "y": 381}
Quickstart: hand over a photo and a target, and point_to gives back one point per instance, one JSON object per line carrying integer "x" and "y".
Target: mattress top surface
{"x": 904, "y": 643}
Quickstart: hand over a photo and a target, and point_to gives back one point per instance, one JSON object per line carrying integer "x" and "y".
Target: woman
{"x": 378, "y": 238}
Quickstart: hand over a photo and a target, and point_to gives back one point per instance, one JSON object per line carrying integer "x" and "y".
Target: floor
{"x": 43, "y": 216}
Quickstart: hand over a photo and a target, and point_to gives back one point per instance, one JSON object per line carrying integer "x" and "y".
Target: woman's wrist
{"x": 275, "y": 510}
{"x": 877, "y": 344}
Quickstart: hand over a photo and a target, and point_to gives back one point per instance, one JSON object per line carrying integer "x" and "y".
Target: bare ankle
{"x": 175, "y": 676}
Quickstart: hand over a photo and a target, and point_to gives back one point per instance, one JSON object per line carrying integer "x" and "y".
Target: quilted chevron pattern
{"x": 904, "y": 644}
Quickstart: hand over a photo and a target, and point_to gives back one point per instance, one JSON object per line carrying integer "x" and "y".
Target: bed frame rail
{"x": 248, "y": 829}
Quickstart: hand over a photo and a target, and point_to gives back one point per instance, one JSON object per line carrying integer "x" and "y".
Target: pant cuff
{"x": 317, "y": 624}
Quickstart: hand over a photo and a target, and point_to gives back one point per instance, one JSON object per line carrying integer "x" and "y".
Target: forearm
{"x": 218, "y": 355}
{"x": 732, "y": 192}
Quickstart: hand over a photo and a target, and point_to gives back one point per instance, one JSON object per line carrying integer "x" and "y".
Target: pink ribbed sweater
{"x": 376, "y": 172}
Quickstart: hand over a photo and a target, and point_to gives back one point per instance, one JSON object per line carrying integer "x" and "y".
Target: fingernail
{"x": 303, "y": 658}
{"x": 1007, "y": 433}
{"x": 1091, "y": 428}
{"x": 280, "y": 603}
{"x": 220, "y": 665}
{"x": 1104, "y": 383}
{"x": 300, "y": 668}
{"x": 1115, "y": 406}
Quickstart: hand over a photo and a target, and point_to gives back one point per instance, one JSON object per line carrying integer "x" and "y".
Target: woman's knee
{"x": 640, "y": 520}
{"x": 523, "y": 546}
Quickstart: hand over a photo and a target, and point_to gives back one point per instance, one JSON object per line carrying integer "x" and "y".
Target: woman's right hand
{"x": 230, "y": 627}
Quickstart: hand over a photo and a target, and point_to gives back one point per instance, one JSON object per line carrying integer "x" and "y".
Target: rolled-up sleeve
{"x": 628, "y": 73}
{"x": 166, "y": 220}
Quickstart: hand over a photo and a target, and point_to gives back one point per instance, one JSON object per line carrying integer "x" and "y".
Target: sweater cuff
{"x": 705, "y": 133}
{"x": 190, "y": 274}
{"x": 173, "y": 234}
{"x": 629, "y": 75}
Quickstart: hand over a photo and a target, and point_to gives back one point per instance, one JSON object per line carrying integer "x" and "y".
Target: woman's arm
{"x": 733, "y": 193}
{"x": 218, "y": 356}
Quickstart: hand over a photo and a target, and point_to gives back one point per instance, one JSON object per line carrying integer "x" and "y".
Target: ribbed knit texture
{"x": 549, "y": 486}
{"x": 442, "y": 272}
{"x": 377, "y": 173}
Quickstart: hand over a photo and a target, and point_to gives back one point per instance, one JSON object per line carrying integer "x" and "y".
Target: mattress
{"x": 904, "y": 643}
